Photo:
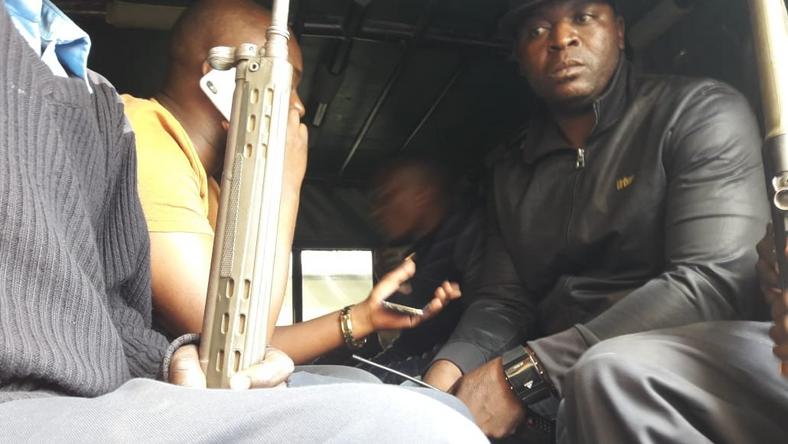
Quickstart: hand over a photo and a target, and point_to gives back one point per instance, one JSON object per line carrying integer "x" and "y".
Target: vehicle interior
{"x": 387, "y": 78}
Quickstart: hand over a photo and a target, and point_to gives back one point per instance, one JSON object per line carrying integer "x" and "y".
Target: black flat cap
{"x": 519, "y": 8}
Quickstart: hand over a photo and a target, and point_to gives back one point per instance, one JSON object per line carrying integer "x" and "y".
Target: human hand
{"x": 295, "y": 151}
{"x": 372, "y": 315}
{"x": 768, "y": 276}
{"x": 273, "y": 371}
{"x": 443, "y": 375}
{"x": 492, "y": 403}
{"x": 767, "y": 268}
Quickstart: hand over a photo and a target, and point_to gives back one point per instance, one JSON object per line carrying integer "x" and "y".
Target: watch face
{"x": 524, "y": 376}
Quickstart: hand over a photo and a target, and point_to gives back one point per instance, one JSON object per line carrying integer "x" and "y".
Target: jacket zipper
{"x": 580, "y": 163}
{"x": 581, "y": 159}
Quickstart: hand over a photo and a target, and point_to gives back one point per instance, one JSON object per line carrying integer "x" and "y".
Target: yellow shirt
{"x": 176, "y": 194}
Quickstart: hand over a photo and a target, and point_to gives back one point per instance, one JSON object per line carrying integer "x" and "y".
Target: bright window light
{"x": 333, "y": 279}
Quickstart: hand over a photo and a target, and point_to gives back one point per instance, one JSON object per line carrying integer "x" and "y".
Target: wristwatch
{"x": 525, "y": 375}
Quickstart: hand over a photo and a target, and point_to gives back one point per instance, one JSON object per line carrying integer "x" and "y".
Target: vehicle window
{"x": 332, "y": 279}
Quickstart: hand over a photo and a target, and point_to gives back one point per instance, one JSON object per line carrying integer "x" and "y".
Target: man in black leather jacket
{"x": 633, "y": 203}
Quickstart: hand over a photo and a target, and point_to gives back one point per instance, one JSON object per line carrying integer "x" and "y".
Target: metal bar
{"x": 83, "y": 7}
{"x": 391, "y": 370}
{"x": 387, "y": 36}
{"x": 373, "y": 114}
{"x": 278, "y": 34}
{"x": 433, "y": 107}
{"x": 455, "y": 41}
{"x": 279, "y": 14}
{"x": 330, "y": 75}
{"x": 771, "y": 45}
{"x": 421, "y": 28}
{"x": 354, "y": 19}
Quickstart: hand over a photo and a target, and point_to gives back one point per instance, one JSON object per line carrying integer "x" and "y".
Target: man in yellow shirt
{"x": 181, "y": 141}
{"x": 176, "y": 192}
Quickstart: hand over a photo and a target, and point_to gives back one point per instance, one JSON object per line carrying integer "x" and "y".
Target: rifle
{"x": 770, "y": 28}
{"x": 236, "y": 329}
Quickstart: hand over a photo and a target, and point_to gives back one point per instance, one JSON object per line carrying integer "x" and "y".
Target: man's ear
{"x": 205, "y": 68}
{"x": 621, "y": 31}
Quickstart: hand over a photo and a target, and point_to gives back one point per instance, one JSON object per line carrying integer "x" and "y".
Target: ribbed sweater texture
{"x": 75, "y": 308}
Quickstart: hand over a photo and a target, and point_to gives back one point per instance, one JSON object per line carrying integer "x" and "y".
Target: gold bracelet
{"x": 346, "y": 326}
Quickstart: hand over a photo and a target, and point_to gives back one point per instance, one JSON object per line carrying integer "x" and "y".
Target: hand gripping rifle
{"x": 236, "y": 328}
{"x": 770, "y": 27}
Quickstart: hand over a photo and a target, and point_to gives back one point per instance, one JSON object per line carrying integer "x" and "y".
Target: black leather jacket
{"x": 652, "y": 224}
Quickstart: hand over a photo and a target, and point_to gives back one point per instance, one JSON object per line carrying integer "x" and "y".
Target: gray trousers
{"x": 314, "y": 408}
{"x": 712, "y": 382}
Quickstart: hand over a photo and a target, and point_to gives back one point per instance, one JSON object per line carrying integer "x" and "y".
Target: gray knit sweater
{"x": 75, "y": 308}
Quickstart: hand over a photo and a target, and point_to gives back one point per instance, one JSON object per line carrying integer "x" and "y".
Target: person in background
{"x": 417, "y": 204}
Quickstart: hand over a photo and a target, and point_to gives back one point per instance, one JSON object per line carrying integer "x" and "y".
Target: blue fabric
{"x": 60, "y": 43}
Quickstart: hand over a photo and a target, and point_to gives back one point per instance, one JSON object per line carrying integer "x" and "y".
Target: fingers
{"x": 765, "y": 247}
{"x": 302, "y": 133}
{"x": 779, "y": 330}
{"x": 779, "y": 306}
{"x": 447, "y": 292}
{"x": 393, "y": 280}
{"x": 297, "y": 135}
{"x": 296, "y": 104}
{"x": 768, "y": 280}
{"x": 452, "y": 290}
{"x": 405, "y": 288}
{"x": 185, "y": 368}
{"x": 771, "y": 294}
{"x": 768, "y": 277}
{"x": 273, "y": 371}
{"x": 766, "y": 267}
{"x": 781, "y": 351}
{"x": 294, "y": 125}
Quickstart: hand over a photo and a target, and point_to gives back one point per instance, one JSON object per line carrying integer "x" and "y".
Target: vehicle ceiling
{"x": 426, "y": 77}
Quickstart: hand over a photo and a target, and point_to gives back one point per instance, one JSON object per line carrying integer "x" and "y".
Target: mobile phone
{"x": 404, "y": 309}
{"x": 219, "y": 86}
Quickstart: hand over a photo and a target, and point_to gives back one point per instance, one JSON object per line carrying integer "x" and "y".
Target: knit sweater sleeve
{"x": 127, "y": 252}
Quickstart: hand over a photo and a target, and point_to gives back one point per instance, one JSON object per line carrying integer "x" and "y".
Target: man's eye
{"x": 583, "y": 18}
{"x": 536, "y": 32}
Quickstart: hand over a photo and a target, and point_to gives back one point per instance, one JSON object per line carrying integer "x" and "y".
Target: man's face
{"x": 296, "y": 59}
{"x": 395, "y": 210}
{"x": 257, "y": 36}
{"x": 569, "y": 49}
